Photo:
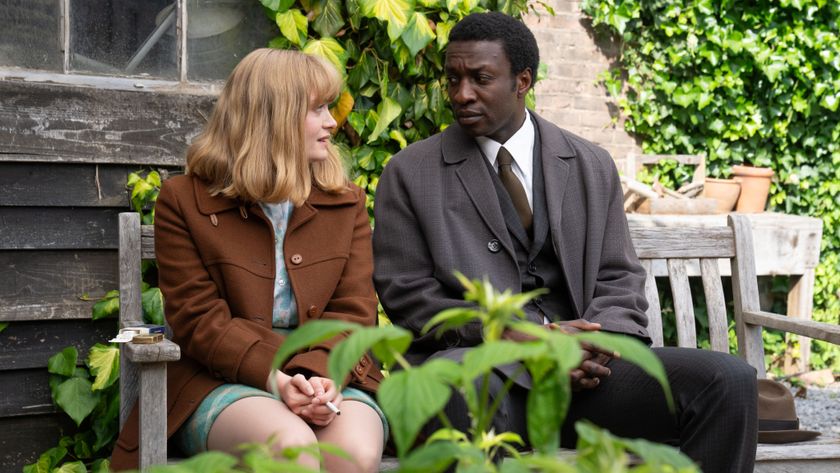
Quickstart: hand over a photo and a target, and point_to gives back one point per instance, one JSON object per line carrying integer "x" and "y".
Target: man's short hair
{"x": 518, "y": 41}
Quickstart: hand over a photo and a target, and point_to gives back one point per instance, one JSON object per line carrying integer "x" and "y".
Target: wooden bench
{"x": 144, "y": 366}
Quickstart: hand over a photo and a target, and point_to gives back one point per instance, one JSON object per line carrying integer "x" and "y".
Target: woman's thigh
{"x": 255, "y": 419}
{"x": 359, "y": 432}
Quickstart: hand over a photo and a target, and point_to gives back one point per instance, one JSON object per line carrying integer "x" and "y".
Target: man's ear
{"x": 524, "y": 80}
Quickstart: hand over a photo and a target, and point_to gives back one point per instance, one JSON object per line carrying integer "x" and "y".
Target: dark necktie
{"x": 514, "y": 188}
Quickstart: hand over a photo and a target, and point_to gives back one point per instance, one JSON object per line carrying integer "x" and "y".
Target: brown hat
{"x": 777, "y": 420}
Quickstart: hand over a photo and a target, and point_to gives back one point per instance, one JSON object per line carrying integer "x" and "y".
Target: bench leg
{"x": 152, "y": 415}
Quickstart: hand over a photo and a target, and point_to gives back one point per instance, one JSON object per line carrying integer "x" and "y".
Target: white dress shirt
{"x": 521, "y": 147}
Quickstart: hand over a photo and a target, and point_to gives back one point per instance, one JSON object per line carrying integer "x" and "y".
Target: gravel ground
{"x": 819, "y": 409}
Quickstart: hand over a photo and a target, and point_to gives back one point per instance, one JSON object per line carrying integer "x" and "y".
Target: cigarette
{"x": 332, "y": 407}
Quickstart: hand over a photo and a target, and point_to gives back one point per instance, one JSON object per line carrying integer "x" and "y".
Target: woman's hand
{"x": 295, "y": 391}
{"x": 317, "y": 412}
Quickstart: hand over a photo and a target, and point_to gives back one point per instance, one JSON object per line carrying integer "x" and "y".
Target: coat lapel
{"x": 461, "y": 152}
{"x": 556, "y": 152}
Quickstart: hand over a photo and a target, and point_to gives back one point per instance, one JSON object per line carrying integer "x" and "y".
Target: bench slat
{"x": 808, "y": 328}
{"x": 654, "y": 311}
{"x": 711, "y": 242}
{"x": 715, "y": 305}
{"x": 683, "y": 308}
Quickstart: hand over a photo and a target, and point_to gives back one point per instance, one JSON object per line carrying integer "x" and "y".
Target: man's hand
{"x": 593, "y": 367}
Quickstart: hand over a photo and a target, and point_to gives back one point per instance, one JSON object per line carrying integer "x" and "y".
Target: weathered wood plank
{"x": 65, "y": 185}
{"x": 715, "y": 305}
{"x": 163, "y": 351}
{"x": 29, "y": 277}
{"x": 152, "y": 414}
{"x": 808, "y": 328}
{"x": 64, "y": 123}
{"x": 26, "y": 393}
{"x": 683, "y": 307}
{"x": 58, "y": 228}
{"x": 130, "y": 305}
{"x": 147, "y": 242}
{"x": 62, "y": 310}
{"x": 654, "y": 312}
{"x": 713, "y": 242}
{"x": 22, "y": 439}
{"x": 812, "y": 450}
{"x": 25, "y": 345}
{"x": 745, "y": 295}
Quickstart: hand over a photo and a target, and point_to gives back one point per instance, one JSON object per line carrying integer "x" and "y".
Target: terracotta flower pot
{"x": 724, "y": 191}
{"x": 755, "y": 187}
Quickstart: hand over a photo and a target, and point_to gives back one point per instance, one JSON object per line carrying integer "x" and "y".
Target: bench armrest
{"x": 165, "y": 350}
{"x": 807, "y": 328}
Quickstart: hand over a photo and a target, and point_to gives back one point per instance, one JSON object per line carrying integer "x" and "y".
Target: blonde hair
{"x": 253, "y": 146}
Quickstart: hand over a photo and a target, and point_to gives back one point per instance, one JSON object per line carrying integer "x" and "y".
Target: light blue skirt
{"x": 191, "y": 438}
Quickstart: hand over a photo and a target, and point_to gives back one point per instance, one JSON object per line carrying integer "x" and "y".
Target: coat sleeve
{"x": 232, "y": 348}
{"x": 404, "y": 269}
{"x": 354, "y": 300}
{"x": 618, "y": 302}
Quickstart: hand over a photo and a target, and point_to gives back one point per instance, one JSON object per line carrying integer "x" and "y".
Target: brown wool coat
{"x": 216, "y": 260}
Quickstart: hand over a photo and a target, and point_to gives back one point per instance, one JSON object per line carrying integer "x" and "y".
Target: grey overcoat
{"x": 437, "y": 211}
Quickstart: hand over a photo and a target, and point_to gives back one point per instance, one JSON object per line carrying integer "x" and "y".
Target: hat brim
{"x": 786, "y": 436}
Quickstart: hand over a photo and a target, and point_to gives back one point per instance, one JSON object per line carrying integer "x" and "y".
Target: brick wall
{"x": 569, "y": 95}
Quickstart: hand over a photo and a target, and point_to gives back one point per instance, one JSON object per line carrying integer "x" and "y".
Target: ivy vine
{"x": 743, "y": 82}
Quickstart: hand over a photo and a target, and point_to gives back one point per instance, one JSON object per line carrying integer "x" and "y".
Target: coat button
{"x": 359, "y": 370}
{"x": 494, "y": 246}
{"x": 313, "y": 311}
{"x": 363, "y": 362}
{"x": 296, "y": 259}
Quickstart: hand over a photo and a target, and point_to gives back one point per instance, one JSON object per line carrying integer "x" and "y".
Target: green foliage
{"x": 89, "y": 396}
{"x": 391, "y": 53}
{"x": 3, "y": 326}
{"x": 743, "y": 82}
{"x": 413, "y": 395}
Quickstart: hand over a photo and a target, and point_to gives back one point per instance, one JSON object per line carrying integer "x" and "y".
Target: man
{"x": 505, "y": 194}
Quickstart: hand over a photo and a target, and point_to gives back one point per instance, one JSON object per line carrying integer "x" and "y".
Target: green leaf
{"x": 76, "y": 398}
{"x": 3, "y": 326}
{"x": 394, "y": 12}
{"x": 488, "y": 355}
{"x": 310, "y": 334}
{"x": 442, "y": 30}
{"x": 63, "y": 362}
{"x": 205, "y": 462}
{"x": 277, "y": 5}
{"x": 328, "y": 20}
{"x": 102, "y": 465}
{"x": 411, "y": 397}
{"x": 417, "y": 34}
{"x": 388, "y": 111}
{"x": 382, "y": 340}
{"x": 329, "y": 49}
{"x": 293, "y": 25}
{"x": 633, "y": 351}
{"x": 397, "y": 136}
{"x": 830, "y": 101}
{"x": 47, "y": 461}
{"x": 104, "y": 363}
{"x": 108, "y": 306}
{"x": 430, "y": 458}
{"x": 106, "y": 421}
{"x": 152, "y": 302}
{"x": 658, "y": 454}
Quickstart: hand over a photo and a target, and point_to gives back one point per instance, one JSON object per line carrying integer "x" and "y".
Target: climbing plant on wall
{"x": 744, "y": 82}
{"x": 391, "y": 52}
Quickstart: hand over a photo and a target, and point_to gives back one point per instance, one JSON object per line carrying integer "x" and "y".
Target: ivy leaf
{"x": 294, "y": 25}
{"x": 3, "y": 326}
{"x": 102, "y": 465}
{"x": 47, "y": 461}
{"x": 329, "y": 49}
{"x": 108, "y": 306}
{"x": 411, "y": 397}
{"x": 418, "y": 34}
{"x": 388, "y": 111}
{"x": 394, "y": 12}
{"x": 328, "y": 20}
{"x": 76, "y": 398}
{"x": 342, "y": 108}
{"x": 277, "y": 5}
{"x": 151, "y": 301}
{"x": 830, "y": 102}
{"x": 397, "y": 136}
{"x": 63, "y": 362}
{"x": 382, "y": 340}
{"x": 106, "y": 422}
{"x": 442, "y": 30}
{"x": 104, "y": 363}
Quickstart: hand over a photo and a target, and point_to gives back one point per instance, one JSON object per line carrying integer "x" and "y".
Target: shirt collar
{"x": 520, "y": 146}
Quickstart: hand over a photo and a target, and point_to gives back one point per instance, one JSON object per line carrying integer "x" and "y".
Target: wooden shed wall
{"x": 65, "y": 154}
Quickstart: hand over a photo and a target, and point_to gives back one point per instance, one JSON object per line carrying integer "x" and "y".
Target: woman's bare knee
{"x": 358, "y": 431}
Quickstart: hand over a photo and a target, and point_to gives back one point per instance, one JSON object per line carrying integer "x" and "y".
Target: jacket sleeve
{"x": 409, "y": 290}
{"x": 618, "y": 302}
{"x": 232, "y": 348}
{"x": 354, "y": 300}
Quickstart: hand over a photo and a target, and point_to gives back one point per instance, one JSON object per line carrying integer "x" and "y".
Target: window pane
{"x": 124, "y": 37}
{"x": 221, "y": 32}
{"x": 31, "y": 35}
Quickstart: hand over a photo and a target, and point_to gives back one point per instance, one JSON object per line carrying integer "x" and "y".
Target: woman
{"x": 262, "y": 234}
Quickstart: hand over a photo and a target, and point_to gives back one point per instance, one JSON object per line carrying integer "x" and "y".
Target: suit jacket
{"x": 216, "y": 271}
{"x": 437, "y": 211}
